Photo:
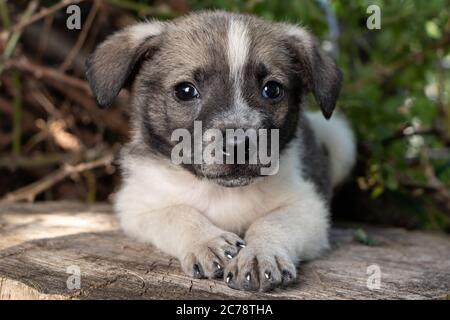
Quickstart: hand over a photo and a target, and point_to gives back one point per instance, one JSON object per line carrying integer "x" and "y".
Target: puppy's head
{"x": 226, "y": 70}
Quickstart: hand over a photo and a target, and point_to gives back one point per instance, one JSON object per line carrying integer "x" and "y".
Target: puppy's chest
{"x": 234, "y": 209}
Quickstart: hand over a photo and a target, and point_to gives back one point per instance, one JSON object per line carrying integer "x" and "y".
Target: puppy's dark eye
{"x": 186, "y": 91}
{"x": 272, "y": 90}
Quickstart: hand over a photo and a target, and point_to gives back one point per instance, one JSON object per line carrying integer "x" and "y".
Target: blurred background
{"x": 56, "y": 144}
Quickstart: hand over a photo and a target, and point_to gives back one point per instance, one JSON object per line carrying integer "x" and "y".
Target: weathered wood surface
{"x": 39, "y": 241}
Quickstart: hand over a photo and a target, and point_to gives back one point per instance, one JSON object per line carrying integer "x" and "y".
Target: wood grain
{"x": 38, "y": 242}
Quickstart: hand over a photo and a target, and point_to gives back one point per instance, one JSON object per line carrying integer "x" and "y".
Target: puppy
{"x": 228, "y": 71}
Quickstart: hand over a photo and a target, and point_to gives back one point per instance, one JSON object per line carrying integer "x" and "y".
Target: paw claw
{"x": 209, "y": 258}
{"x": 229, "y": 277}
{"x": 240, "y": 244}
{"x": 218, "y": 272}
{"x": 228, "y": 255}
{"x": 198, "y": 272}
{"x": 259, "y": 269}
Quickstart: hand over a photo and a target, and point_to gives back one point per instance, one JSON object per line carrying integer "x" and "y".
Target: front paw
{"x": 260, "y": 269}
{"x": 208, "y": 259}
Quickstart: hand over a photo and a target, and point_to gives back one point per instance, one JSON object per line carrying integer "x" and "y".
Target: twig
{"x": 57, "y": 123}
{"x": 30, "y": 192}
{"x": 39, "y": 71}
{"x": 442, "y": 121}
{"x": 28, "y": 118}
{"x": 43, "y": 40}
{"x": 400, "y": 134}
{"x": 440, "y": 193}
{"x": 82, "y": 37}
{"x": 443, "y": 193}
{"x": 75, "y": 89}
{"x": 5, "y": 139}
{"x": 140, "y": 8}
{"x": 44, "y": 101}
{"x": 12, "y": 162}
{"x": 43, "y": 13}
{"x": 333, "y": 26}
{"x": 4, "y": 14}
{"x": 17, "y": 114}
{"x": 12, "y": 43}
{"x": 112, "y": 119}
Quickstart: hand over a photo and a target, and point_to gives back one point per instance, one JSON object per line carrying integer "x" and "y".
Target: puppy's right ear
{"x": 112, "y": 64}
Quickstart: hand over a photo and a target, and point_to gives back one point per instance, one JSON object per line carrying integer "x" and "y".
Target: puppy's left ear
{"x": 114, "y": 62}
{"x": 319, "y": 71}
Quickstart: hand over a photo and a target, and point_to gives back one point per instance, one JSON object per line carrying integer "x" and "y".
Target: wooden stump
{"x": 42, "y": 244}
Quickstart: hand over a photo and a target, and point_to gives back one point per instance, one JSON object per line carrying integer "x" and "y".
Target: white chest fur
{"x": 152, "y": 185}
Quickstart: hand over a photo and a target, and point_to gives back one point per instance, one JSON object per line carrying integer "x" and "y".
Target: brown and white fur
{"x": 220, "y": 221}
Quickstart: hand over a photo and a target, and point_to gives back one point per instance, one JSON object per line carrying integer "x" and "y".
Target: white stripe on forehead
{"x": 238, "y": 47}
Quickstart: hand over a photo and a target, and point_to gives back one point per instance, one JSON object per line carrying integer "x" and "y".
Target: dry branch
{"x": 29, "y": 192}
{"x": 44, "y": 12}
{"x": 13, "y": 162}
{"x": 42, "y": 72}
{"x": 14, "y": 39}
{"x": 82, "y": 37}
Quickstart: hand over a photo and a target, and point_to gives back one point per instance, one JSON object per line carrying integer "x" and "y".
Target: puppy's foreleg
{"x": 277, "y": 241}
{"x": 203, "y": 249}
